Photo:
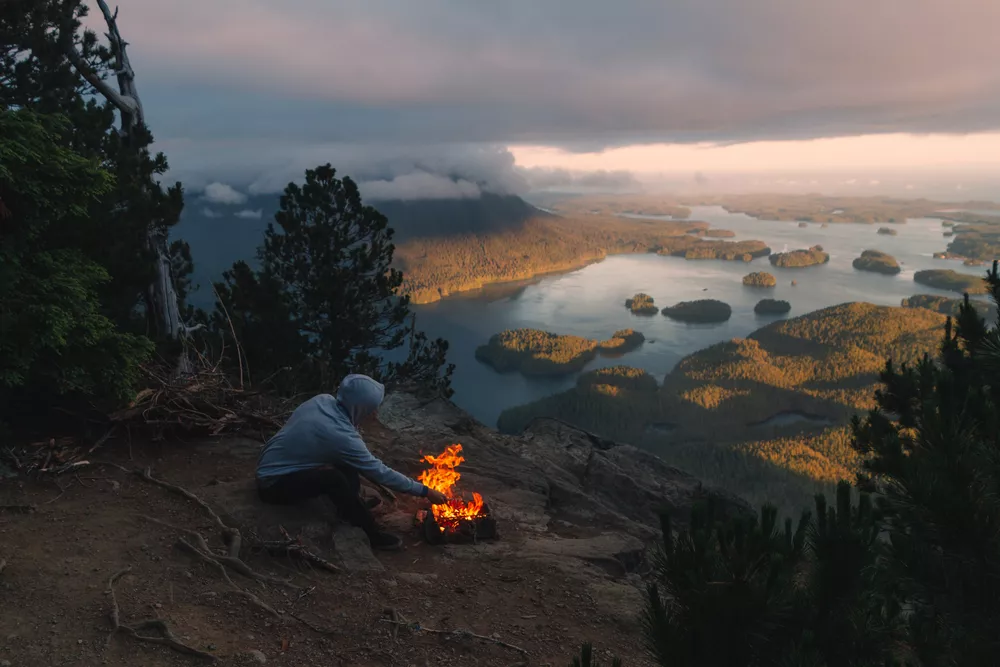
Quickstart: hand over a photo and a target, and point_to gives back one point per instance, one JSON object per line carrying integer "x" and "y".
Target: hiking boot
{"x": 385, "y": 541}
{"x": 373, "y": 502}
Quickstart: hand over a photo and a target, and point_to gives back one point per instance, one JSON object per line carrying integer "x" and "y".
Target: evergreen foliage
{"x": 55, "y": 338}
{"x": 325, "y": 300}
{"x": 642, "y": 304}
{"x": 796, "y": 259}
{"x": 35, "y": 74}
{"x": 931, "y": 454}
{"x": 760, "y": 279}
{"x": 909, "y": 578}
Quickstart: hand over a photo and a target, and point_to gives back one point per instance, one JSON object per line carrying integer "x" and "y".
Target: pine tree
{"x": 54, "y": 338}
{"x": 932, "y": 455}
{"x": 741, "y": 592}
{"x": 36, "y": 73}
{"x": 724, "y": 593}
{"x": 325, "y": 300}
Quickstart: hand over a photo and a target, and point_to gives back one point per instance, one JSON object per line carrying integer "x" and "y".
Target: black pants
{"x": 341, "y": 484}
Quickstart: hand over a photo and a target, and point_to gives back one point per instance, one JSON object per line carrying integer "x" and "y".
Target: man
{"x": 320, "y": 452}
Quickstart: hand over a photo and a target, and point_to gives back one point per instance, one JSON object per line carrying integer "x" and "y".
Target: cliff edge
{"x": 576, "y": 513}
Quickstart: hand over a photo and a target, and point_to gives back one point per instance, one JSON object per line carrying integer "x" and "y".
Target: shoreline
{"x": 509, "y": 287}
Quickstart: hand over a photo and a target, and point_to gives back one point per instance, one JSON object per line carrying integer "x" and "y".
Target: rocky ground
{"x": 576, "y": 514}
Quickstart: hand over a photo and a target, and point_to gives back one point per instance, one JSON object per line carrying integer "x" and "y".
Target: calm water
{"x": 590, "y": 302}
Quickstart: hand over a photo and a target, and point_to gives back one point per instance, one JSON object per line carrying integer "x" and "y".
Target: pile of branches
{"x": 204, "y": 401}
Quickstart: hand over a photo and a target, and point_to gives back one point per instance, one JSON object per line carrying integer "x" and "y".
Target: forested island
{"x": 877, "y": 262}
{"x": 740, "y": 251}
{"x": 800, "y": 258}
{"x": 702, "y": 311}
{"x": 948, "y": 306}
{"x": 641, "y": 304}
{"x": 772, "y": 307}
{"x": 760, "y": 279}
{"x": 976, "y": 241}
{"x": 797, "y": 381}
{"x": 887, "y": 231}
{"x": 534, "y": 352}
{"x": 949, "y": 279}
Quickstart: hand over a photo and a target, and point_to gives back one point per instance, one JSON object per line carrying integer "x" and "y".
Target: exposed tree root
{"x": 208, "y": 558}
{"x": 398, "y": 620}
{"x": 200, "y": 545}
{"x": 166, "y": 636}
{"x": 230, "y": 536}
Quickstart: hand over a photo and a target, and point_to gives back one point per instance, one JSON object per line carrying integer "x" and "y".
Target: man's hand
{"x": 436, "y": 497}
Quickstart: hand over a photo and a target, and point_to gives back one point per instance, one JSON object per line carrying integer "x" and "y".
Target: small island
{"x": 702, "y": 311}
{"x": 745, "y": 251}
{"x": 877, "y": 262}
{"x": 803, "y": 225}
{"x": 797, "y": 259}
{"x": 887, "y": 231}
{"x": 949, "y": 279}
{"x": 720, "y": 233}
{"x": 621, "y": 377}
{"x": 534, "y": 352}
{"x": 760, "y": 279}
{"x": 641, "y": 304}
{"x": 772, "y": 307}
{"x": 621, "y": 341}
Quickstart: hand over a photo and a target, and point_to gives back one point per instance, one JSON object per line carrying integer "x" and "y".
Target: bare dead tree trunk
{"x": 162, "y": 296}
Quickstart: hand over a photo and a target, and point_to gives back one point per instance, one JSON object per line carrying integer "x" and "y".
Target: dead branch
{"x": 201, "y": 402}
{"x": 232, "y": 330}
{"x": 295, "y": 548}
{"x": 165, "y": 638}
{"x": 457, "y": 634}
{"x": 386, "y": 493}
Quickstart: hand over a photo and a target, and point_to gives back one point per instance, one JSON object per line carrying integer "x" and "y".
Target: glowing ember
{"x": 442, "y": 477}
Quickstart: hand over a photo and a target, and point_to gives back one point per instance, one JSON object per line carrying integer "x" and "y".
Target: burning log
{"x": 457, "y": 520}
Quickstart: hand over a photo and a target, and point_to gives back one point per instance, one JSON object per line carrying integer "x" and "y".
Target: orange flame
{"x": 442, "y": 477}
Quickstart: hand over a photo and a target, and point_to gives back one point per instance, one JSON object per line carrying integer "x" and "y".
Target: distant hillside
{"x": 448, "y": 217}
{"x": 221, "y": 234}
{"x": 765, "y": 416}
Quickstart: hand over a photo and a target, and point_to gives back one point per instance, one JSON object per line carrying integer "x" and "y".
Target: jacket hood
{"x": 360, "y": 396}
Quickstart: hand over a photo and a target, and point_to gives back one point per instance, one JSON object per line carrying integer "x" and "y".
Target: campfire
{"x": 457, "y": 520}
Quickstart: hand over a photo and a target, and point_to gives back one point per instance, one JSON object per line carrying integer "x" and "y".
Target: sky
{"x": 445, "y": 98}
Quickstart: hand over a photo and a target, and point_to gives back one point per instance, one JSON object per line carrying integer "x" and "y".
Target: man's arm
{"x": 353, "y": 452}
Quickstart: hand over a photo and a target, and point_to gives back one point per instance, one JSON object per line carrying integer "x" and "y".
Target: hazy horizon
{"x": 447, "y": 98}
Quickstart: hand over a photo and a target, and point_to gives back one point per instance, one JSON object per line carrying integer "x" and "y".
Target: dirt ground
{"x": 55, "y": 608}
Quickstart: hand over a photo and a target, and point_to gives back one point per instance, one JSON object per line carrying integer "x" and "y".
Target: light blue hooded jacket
{"x": 323, "y": 431}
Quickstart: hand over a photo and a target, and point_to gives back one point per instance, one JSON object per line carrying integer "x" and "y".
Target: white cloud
{"x": 209, "y": 213}
{"x": 419, "y": 185}
{"x": 220, "y": 193}
{"x": 248, "y": 214}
